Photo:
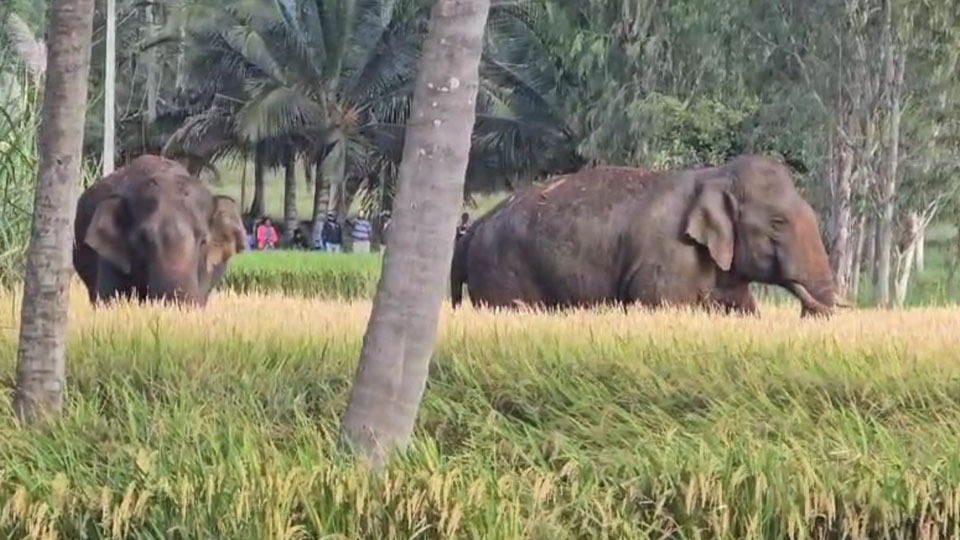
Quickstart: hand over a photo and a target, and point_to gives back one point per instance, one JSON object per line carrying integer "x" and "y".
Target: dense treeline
{"x": 858, "y": 96}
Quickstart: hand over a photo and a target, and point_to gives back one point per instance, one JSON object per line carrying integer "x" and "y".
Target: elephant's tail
{"x": 458, "y": 269}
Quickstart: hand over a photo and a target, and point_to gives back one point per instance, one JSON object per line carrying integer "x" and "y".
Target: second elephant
{"x": 151, "y": 230}
{"x": 622, "y": 235}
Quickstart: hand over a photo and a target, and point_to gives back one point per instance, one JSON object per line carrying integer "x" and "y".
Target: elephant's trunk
{"x": 821, "y": 303}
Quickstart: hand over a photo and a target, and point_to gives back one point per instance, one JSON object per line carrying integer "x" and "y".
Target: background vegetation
{"x": 223, "y": 422}
{"x": 306, "y": 102}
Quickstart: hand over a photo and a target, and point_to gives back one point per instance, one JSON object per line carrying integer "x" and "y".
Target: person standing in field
{"x": 266, "y": 235}
{"x": 331, "y": 235}
{"x": 361, "y": 235}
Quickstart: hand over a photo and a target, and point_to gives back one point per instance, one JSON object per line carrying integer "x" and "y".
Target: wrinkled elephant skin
{"x": 152, "y": 231}
{"x": 619, "y": 235}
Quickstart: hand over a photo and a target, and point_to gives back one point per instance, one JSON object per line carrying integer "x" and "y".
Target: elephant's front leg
{"x": 112, "y": 284}
{"x": 736, "y": 300}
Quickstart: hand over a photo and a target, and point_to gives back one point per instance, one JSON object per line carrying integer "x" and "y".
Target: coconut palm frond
{"x": 277, "y": 111}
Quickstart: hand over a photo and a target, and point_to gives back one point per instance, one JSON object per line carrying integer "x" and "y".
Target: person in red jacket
{"x": 266, "y": 235}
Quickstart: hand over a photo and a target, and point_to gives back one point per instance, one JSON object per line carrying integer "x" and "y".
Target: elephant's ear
{"x": 227, "y": 235}
{"x": 105, "y": 233}
{"x": 710, "y": 223}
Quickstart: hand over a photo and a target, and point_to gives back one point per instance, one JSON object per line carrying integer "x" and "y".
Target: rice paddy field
{"x": 223, "y": 423}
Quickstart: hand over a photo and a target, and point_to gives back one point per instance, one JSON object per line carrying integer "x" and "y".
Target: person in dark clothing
{"x": 299, "y": 240}
{"x": 462, "y": 227}
{"x": 332, "y": 234}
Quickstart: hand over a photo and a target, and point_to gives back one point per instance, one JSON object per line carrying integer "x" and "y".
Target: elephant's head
{"x": 756, "y": 226}
{"x": 171, "y": 247}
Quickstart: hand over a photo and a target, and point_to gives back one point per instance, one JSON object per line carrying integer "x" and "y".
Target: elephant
{"x": 619, "y": 235}
{"x": 152, "y": 231}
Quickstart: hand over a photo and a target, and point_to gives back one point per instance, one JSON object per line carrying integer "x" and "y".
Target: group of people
{"x": 329, "y": 237}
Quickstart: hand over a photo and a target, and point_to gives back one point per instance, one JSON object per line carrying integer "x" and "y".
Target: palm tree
{"x": 392, "y": 374}
{"x": 339, "y": 81}
{"x": 43, "y": 317}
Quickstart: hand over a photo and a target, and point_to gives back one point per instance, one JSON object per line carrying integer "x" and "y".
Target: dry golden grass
{"x": 222, "y": 422}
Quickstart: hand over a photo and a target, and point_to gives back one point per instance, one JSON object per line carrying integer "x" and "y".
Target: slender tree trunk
{"x": 893, "y": 81}
{"x": 307, "y": 173}
{"x": 873, "y": 255}
{"x": 289, "y": 199}
{"x": 320, "y": 195}
{"x": 257, "y": 206}
{"x": 861, "y": 232}
{"x": 841, "y": 260}
{"x": 243, "y": 184}
{"x": 905, "y": 259}
{"x": 335, "y": 172}
{"x": 180, "y": 49}
{"x": 41, "y": 354}
{"x": 392, "y": 373}
{"x": 921, "y": 256}
{"x": 109, "y": 89}
{"x": 153, "y": 75}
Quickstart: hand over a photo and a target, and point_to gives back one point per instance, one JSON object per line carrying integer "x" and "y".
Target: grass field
{"x": 223, "y": 423}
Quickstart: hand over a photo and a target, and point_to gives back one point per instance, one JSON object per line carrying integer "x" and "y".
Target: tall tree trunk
{"x": 109, "y": 90}
{"x": 41, "y": 356}
{"x": 153, "y": 72}
{"x": 905, "y": 258}
{"x": 243, "y": 184}
{"x": 893, "y": 82}
{"x": 320, "y": 195}
{"x": 307, "y": 173}
{"x": 335, "y": 172}
{"x": 920, "y": 257}
{"x": 289, "y": 199}
{"x": 841, "y": 219}
{"x": 257, "y": 206}
{"x": 394, "y": 361}
{"x": 861, "y": 233}
{"x": 874, "y": 250}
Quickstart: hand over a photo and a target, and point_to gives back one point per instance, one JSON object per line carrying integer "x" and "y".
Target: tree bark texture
{"x": 841, "y": 218}
{"x": 41, "y": 354}
{"x": 861, "y": 232}
{"x": 320, "y": 197}
{"x": 399, "y": 341}
{"x": 257, "y": 206}
{"x": 893, "y": 82}
{"x": 289, "y": 199}
{"x": 109, "y": 90}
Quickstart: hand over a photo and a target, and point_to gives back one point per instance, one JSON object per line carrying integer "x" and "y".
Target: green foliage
{"x": 306, "y": 274}
{"x": 223, "y": 423}
{"x": 18, "y": 170}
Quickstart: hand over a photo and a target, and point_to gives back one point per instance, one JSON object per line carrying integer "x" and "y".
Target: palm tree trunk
{"x": 43, "y": 317}
{"x": 243, "y": 184}
{"x": 307, "y": 173}
{"x": 256, "y": 207}
{"x": 289, "y": 199}
{"x": 320, "y": 195}
{"x": 392, "y": 373}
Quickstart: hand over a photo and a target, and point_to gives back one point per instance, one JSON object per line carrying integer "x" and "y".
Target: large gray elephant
{"x": 619, "y": 235}
{"x": 151, "y": 230}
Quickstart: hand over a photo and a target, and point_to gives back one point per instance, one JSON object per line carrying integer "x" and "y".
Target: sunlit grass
{"x": 223, "y": 423}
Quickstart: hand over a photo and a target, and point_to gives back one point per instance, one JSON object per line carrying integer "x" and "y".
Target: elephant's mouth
{"x": 811, "y": 306}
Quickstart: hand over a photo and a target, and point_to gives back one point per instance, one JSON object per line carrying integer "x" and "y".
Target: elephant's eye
{"x": 778, "y": 222}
